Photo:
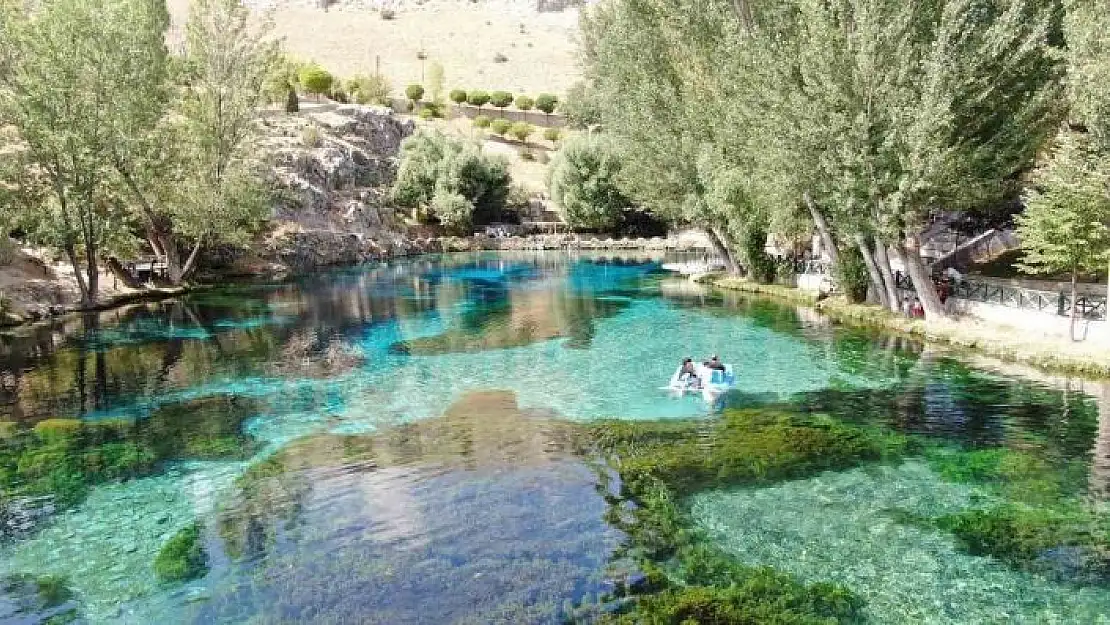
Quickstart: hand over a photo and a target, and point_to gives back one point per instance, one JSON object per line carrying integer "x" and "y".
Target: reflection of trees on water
{"x": 481, "y": 431}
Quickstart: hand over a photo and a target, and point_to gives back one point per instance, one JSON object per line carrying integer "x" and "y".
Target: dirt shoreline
{"x": 1006, "y": 344}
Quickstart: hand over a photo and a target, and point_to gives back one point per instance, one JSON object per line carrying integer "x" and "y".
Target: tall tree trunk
{"x": 822, "y": 229}
{"x": 92, "y": 271}
{"x": 877, "y": 283}
{"x": 882, "y": 259}
{"x": 1074, "y": 300}
{"x": 191, "y": 263}
{"x": 909, "y": 252}
{"x": 71, "y": 253}
{"x": 717, "y": 241}
{"x": 174, "y": 270}
{"x": 1107, "y": 317}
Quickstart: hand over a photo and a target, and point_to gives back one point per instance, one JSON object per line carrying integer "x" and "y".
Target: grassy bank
{"x": 1086, "y": 359}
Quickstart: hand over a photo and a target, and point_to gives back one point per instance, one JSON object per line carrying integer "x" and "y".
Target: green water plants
{"x": 182, "y": 557}
{"x": 743, "y": 447}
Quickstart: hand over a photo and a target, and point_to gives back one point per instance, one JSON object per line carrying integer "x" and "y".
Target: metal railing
{"x": 1090, "y": 307}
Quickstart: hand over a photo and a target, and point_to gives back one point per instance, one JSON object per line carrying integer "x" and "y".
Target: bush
{"x": 310, "y": 136}
{"x": 478, "y": 98}
{"x": 525, "y": 103}
{"x": 292, "y": 103}
{"x": 388, "y": 14}
{"x": 182, "y": 557}
{"x": 414, "y": 92}
{"x": 521, "y": 131}
{"x": 432, "y": 163}
{"x": 552, "y": 134}
{"x": 454, "y": 211}
{"x": 458, "y": 96}
{"x": 339, "y": 95}
{"x": 372, "y": 89}
{"x": 527, "y": 155}
{"x": 583, "y": 183}
{"x": 501, "y": 99}
{"x": 316, "y": 80}
{"x": 500, "y": 58}
{"x": 546, "y": 103}
{"x": 851, "y": 275}
{"x": 427, "y": 113}
{"x": 500, "y": 126}
{"x": 481, "y": 121}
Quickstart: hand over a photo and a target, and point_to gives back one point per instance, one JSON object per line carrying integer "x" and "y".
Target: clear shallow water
{"x": 453, "y": 503}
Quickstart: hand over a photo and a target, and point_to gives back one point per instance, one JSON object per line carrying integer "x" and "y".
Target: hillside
{"x": 464, "y": 36}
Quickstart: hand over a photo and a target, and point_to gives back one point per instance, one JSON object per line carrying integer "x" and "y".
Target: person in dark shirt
{"x": 714, "y": 363}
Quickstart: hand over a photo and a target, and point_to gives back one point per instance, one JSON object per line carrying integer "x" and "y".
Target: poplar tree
{"x": 1066, "y": 224}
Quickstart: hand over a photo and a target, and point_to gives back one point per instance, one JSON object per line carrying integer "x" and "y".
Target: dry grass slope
{"x": 465, "y": 36}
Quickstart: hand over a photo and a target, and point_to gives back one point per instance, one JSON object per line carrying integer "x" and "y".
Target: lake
{"x": 482, "y": 438}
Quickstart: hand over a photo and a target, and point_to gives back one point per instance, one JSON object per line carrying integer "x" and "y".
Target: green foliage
{"x": 434, "y": 164}
{"x": 546, "y": 103}
{"x": 552, "y": 134}
{"x": 427, "y": 113}
{"x": 524, "y": 103}
{"x": 454, "y": 211}
{"x": 372, "y": 89}
{"x": 458, "y": 96}
{"x": 501, "y": 99}
{"x": 584, "y": 183}
{"x": 316, "y": 80}
{"x": 1066, "y": 223}
{"x": 851, "y": 275}
{"x": 73, "y": 130}
{"x": 482, "y": 121}
{"x": 182, "y": 557}
{"x": 478, "y": 98}
{"x": 500, "y": 126}
{"x": 521, "y": 131}
{"x": 414, "y": 92}
{"x": 580, "y": 107}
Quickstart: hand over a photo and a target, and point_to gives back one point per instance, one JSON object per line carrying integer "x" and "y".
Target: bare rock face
{"x": 334, "y": 164}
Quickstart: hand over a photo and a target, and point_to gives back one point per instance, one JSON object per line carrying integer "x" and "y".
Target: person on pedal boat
{"x": 688, "y": 373}
{"x": 714, "y": 363}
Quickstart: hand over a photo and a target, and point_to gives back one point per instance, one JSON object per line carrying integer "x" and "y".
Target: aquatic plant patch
{"x": 182, "y": 557}
{"x": 687, "y": 579}
{"x": 63, "y": 458}
{"x": 750, "y": 446}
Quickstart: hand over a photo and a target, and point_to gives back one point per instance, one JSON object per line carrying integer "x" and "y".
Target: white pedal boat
{"x": 711, "y": 383}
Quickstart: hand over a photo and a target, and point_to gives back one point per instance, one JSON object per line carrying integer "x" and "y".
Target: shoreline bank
{"x": 1011, "y": 345}
{"x": 314, "y": 251}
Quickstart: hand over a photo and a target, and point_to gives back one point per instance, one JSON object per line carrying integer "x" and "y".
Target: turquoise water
{"x": 399, "y": 449}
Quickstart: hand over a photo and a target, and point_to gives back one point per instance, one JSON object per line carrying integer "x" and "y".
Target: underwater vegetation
{"x": 742, "y": 447}
{"x": 63, "y": 458}
{"x": 45, "y": 599}
{"x": 182, "y": 557}
{"x": 687, "y": 579}
{"x": 1039, "y": 520}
